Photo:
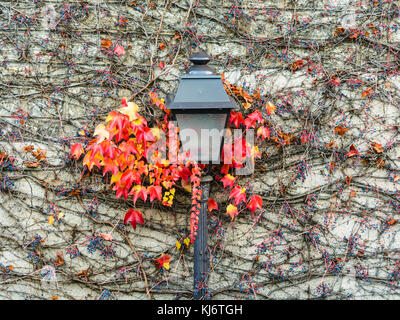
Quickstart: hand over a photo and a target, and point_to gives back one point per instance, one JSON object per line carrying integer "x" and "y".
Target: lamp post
{"x": 201, "y": 108}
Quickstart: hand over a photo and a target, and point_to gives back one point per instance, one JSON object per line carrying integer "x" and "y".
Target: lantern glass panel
{"x": 201, "y": 134}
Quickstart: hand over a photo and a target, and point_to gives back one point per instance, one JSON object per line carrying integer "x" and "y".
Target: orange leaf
{"x": 366, "y": 93}
{"x": 391, "y": 221}
{"x": 340, "y": 130}
{"x": 106, "y": 43}
{"x": 28, "y": 148}
{"x": 270, "y": 108}
{"x": 377, "y": 147}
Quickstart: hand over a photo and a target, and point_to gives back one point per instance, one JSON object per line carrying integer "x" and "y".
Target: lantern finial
{"x": 199, "y": 68}
{"x": 199, "y": 58}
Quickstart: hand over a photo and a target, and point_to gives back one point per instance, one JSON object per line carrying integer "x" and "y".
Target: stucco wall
{"x": 328, "y": 227}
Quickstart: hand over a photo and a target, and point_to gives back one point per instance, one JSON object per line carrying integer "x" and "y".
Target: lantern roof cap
{"x": 200, "y": 87}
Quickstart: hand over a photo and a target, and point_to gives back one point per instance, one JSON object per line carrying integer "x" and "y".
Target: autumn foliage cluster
{"x": 121, "y": 149}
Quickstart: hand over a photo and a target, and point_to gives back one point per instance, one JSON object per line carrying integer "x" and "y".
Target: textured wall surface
{"x": 328, "y": 176}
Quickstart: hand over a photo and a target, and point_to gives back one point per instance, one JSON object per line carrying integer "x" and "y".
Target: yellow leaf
{"x": 130, "y": 111}
{"x": 255, "y": 152}
{"x": 232, "y": 210}
{"x": 116, "y": 178}
{"x": 178, "y": 245}
{"x": 51, "y": 220}
{"x": 187, "y": 242}
{"x": 246, "y": 105}
{"x": 60, "y": 215}
{"x": 166, "y": 265}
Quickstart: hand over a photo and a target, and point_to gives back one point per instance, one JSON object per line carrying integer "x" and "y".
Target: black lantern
{"x": 201, "y": 108}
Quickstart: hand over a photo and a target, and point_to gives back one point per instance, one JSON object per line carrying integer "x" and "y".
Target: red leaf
{"x": 236, "y": 118}
{"x": 239, "y": 194}
{"x": 138, "y": 191}
{"x": 255, "y": 203}
{"x": 134, "y": 217}
{"x": 228, "y": 180}
{"x": 77, "y": 150}
{"x": 264, "y": 132}
{"x": 154, "y": 192}
{"x": 184, "y": 172}
{"x": 212, "y": 205}
{"x": 256, "y": 116}
{"x": 164, "y": 261}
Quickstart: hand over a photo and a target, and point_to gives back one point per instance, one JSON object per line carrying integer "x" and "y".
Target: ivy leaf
{"x": 256, "y": 116}
{"x": 134, "y": 217}
{"x": 77, "y": 150}
{"x": 163, "y": 262}
{"x": 130, "y": 110}
{"x": 228, "y": 180}
{"x": 340, "y": 130}
{"x": 255, "y": 152}
{"x": 264, "y": 132}
{"x": 109, "y": 166}
{"x": 377, "y": 147}
{"x": 101, "y": 133}
{"x": 232, "y": 211}
{"x": 187, "y": 242}
{"x": 154, "y": 192}
{"x": 236, "y": 118}
{"x": 255, "y": 203}
{"x": 270, "y": 108}
{"x": 353, "y": 152}
{"x": 212, "y": 205}
{"x": 106, "y": 43}
{"x": 138, "y": 191}
{"x": 239, "y": 194}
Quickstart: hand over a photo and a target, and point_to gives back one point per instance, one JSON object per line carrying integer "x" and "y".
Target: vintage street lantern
{"x": 201, "y": 108}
